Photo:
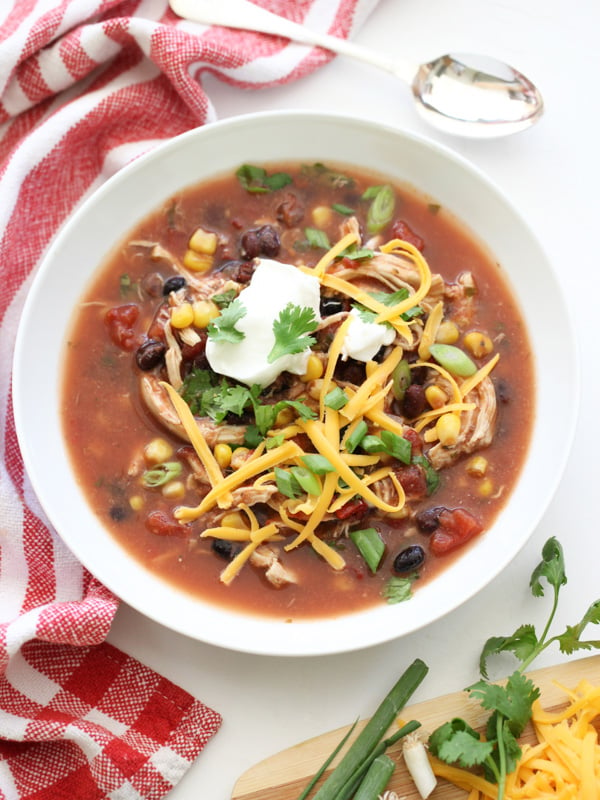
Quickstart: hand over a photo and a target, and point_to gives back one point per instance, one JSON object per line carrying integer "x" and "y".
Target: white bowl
{"x": 289, "y": 136}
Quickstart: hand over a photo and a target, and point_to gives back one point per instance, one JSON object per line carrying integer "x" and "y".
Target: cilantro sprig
{"x": 222, "y": 328}
{"x": 291, "y": 329}
{"x": 511, "y": 704}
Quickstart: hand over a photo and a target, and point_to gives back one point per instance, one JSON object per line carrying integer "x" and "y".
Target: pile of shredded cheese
{"x": 563, "y": 765}
{"x": 330, "y": 431}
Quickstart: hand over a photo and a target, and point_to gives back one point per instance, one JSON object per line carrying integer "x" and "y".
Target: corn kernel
{"x": 436, "y": 396}
{"x": 223, "y": 453}
{"x": 234, "y": 519}
{"x": 157, "y": 451}
{"x": 430, "y": 435}
{"x": 485, "y": 488}
{"x": 202, "y": 241}
{"x": 285, "y": 416}
{"x": 447, "y": 333}
{"x": 321, "y": 216}
{"x": 173, "y": 490}
{"x": 478, "y": 344}
{"x": 239, "y": 456}
{"x": 314, "y": 369}
{"x": 197, "y": 262}
{"x": 477, "y": 466}
{"x": 182, "y": 316}
{"x": 136, "y": 502}
{"x": 204, "y": 312}
{"x": 447, "y": 428}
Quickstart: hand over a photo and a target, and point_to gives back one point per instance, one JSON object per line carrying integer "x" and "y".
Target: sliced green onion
{"x": 313, "y": 782}
{"x": 381, "y": 210}
{"x": 453, "y": 359}
{"x": 307, "y": 480}
{"x": 161, "y": 474}
{"x": 401, "y": 379}
{"x": 336, "y": 398}
{"x": 397, "y": 590}
{"x": 370, "y": 545}
{"x": 372, "y": 444}
{"x": 397, "y": 446}
{"x": 376, "y": 778}
{"x": 287, "y": 483}
{"x": 318, "y": 463}
{"x": 432, "y": 478}
{"x": 356, "y": 436}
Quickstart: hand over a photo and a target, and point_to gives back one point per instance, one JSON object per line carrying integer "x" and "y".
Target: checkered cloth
{"x": 85, "y": 86}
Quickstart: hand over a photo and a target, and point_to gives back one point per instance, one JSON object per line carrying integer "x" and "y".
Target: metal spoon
{"x": 462, "y": 94}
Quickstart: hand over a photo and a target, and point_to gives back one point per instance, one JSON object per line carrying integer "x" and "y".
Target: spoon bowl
{"x": 461, "y": 94}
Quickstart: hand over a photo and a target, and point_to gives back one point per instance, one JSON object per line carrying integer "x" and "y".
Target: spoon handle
{"x": 248, "y": 16}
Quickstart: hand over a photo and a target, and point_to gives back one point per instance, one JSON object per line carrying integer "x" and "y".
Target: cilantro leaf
{"x": 513, "y": 700}
{"x": 551, "y": 567}
{"x": 257, "y": 180}
{"x": 397, "y": 590}
{"x": 290, "y": 329}
{"x": 522, "y": 643}
{"x": 457, "y": 743}
{"x": 222, "y": 328}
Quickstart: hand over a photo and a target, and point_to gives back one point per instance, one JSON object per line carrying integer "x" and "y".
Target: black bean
{"x": 410, "y": 558}
{"x": 225, "y": 549}
{"x": 428, "y": 520}
{"x": 290, "y": 211}
{"x": 413, "y": 402}
{"x": 150, "y": 354}
{"x": 331, "y": 305}
{"x": 117, "y": 513}
{"x": 173, "y": 284}
{"x": 263, "y": 241}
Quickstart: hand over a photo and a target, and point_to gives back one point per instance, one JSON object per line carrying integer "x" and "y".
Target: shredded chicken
{"x": 158, "y": 404}
{"x": 477, "y": 427}
{"x": 267, "y": 558}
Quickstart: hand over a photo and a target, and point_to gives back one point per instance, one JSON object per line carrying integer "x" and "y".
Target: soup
{"x": 298, "y": 390}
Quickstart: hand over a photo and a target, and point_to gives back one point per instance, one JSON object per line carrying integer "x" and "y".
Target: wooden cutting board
{"x": 283, "y": 776}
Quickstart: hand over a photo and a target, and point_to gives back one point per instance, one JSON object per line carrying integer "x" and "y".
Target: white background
{"x": 552, "y": 174}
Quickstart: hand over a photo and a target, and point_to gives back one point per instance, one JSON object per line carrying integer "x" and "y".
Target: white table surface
{"x": 552, "y": 172}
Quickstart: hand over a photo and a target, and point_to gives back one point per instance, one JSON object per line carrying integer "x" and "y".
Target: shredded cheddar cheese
{"x": 354, "y": 474}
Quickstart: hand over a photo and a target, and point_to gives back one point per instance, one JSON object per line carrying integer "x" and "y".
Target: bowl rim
{"x": 131, "y": 581}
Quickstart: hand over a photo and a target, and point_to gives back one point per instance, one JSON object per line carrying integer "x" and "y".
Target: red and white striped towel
{"x": 85, "y": 86}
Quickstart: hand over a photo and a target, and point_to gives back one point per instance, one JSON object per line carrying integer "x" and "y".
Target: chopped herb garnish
{"x": 397, "y": 590}
{"x": 257, "y": 180}
{"x": 224, "y": 298}
{"x": 317, "y": 238}
{"x": 432, "y": 478}
{"x": 222, "y": 328}
{"x": 342, "y": 209}
{"x": 291, "y": 328}
{"x": 355, "y": 253}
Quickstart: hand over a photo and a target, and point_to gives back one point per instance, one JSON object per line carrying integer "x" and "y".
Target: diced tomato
{"x": 357, "y": 508}
{"x": 413, "y": 480}
{"x": 456, "y": 527}
{"x": 161, "y": 524}
{"x": 120, "y": 321}
{"x": 401, "y": 230}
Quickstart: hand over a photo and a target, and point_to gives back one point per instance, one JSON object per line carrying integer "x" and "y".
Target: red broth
{"x": 107, "y": 425}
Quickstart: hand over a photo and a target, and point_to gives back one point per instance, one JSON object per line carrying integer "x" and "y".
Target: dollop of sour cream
{"x": 273, "y": 286}
{"x": 364, "y": 339}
